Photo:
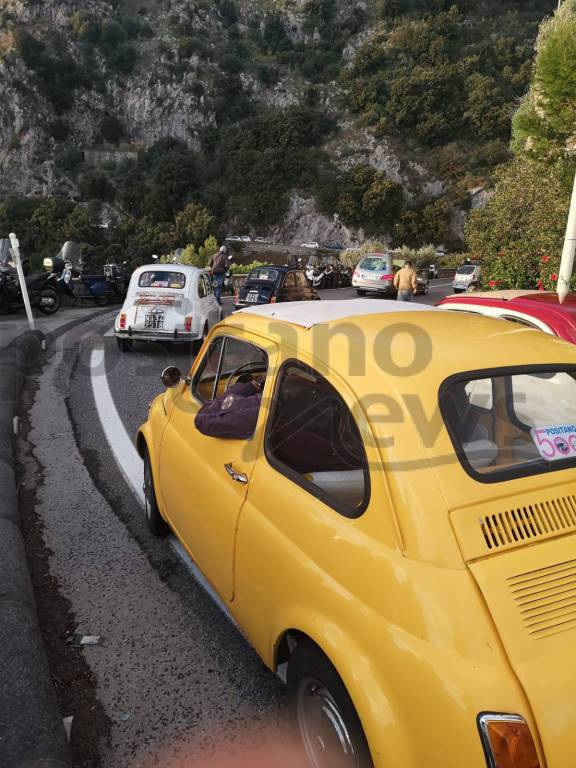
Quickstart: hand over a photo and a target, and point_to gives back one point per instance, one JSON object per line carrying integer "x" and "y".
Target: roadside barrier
{"x": 32, "y": 734}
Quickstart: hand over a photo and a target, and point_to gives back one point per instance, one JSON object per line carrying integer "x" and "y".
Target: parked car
{"x": 423, "y": 282}
{"x": 310, "y": 245}
{"x": 234, "y": 239}
{"x": 534, "y": 309}
{"x": 269, "y": 285}
{"x": 167, "y": 302}
{"x": 246, "y": 239}
{"x": 413, "y": 576}
{"x": 375, "y": 274}
{"x": 465, "y": 275}
{"x": 261, "y": 240}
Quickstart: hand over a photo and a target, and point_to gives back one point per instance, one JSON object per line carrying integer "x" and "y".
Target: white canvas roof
{"x": 311, "y": 313}
{"x": 186, "y": 268}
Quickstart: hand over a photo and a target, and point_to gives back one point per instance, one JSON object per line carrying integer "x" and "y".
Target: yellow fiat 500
{"x": 398, "y": 528}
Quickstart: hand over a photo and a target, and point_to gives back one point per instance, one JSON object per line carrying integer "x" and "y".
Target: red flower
{"x": 554, "y": 277}
{"x": 545, "y": 259}
{"x": 493, "y": 283}
{"x": 540, "y": 285}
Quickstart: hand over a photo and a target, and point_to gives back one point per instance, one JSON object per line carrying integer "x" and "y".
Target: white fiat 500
{"x": 167, "y": 302}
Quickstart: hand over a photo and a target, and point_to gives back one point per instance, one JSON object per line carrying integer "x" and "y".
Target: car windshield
{"x": 162, "y": 279}
{"x": 374, "y": 264}
{"x": 513, "y": 424}
{"x": 466, "y": 270}
{"x": 266, "y": 275}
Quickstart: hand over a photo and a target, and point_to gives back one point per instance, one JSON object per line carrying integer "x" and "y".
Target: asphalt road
{"x": 173, "y": 675}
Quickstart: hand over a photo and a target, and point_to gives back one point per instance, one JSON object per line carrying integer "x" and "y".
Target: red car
{"x": 536, "y": 309}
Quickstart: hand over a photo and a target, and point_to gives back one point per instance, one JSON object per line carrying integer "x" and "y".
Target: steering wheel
{"x": 243, "y": 370}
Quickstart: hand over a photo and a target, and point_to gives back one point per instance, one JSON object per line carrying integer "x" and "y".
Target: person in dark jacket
{"x": 233, "y": 414}
{"x": 218, "y": 264}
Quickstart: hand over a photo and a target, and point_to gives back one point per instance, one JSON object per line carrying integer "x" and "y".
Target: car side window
{"x": 300, "y": 279}
{"x": 201, "y": 287}
{"x": 313, "y": 439}
{"x": 228, "y": 361}
{"x": 289, "y": 281}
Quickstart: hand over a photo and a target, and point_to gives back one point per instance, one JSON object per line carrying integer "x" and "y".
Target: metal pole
{"x": 23, "y": 287}
{"x": 567, "y": 262}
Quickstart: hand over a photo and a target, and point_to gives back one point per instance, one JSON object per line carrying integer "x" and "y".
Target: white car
{"x": 261, "y": 240}
{"x": 167, "y": 302}
{"x": 310, "y": 245}
{"x": 246, "y": 239}
{"x": 234, "y": 239}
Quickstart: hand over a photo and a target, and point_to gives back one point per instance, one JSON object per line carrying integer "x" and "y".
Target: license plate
{"x": 252, "y": 297}
{"x": 154, "y": 320}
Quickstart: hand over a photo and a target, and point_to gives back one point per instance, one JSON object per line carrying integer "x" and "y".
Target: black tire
{"x": 154, "y": 520}
{"x": 102, "y": 300}
{"x": 51, "y": 309}
{"x": 197, "y": 344}
{"x": 5, "y": 303}
{"x": 124, "y": 345}
{"x": 322, "y": 712}
{"x": 360, "y": 293}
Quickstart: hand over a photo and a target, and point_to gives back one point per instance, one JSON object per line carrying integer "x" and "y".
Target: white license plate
{"x": 154, "y": 320}
{"x": 252, "y": 297}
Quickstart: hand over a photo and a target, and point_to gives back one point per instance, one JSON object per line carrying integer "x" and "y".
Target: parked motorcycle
{"x": 315, "y": 276}
{"x": 42, "y": 289}
{"x": 117, "y": 278}
{"x": 73, "y": 282}
{"x": 345, "y": 277}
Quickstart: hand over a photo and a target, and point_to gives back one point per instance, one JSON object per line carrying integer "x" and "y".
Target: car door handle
{"x": 239, "y": 477}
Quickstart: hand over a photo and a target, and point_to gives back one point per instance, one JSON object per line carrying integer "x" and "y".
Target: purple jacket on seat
{"x": 233, "y": 414}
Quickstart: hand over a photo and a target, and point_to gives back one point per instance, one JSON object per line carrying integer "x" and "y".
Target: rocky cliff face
{"x": 94, "y": 76}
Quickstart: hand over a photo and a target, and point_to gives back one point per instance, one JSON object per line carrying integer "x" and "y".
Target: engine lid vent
{"x": 546, "y": 599}
{"x": 534, "y": 521}
{"x": 494, "y": 528}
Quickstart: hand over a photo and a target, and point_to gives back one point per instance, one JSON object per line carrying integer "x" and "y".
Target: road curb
{"x": 32, "y": 734}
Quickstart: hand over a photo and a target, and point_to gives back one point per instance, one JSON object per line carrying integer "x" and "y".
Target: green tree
{"x": 194, "y": 224}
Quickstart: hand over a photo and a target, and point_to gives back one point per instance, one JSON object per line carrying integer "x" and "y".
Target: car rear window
{"x": 163, "y": 279}
{"x": 375, "y": 264}
{"x": 512, "y": 423}
{"x": 265, "y": 275}
{"x": 467, "y": 270}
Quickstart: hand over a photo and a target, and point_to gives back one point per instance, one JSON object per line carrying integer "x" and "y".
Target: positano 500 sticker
{"x": 557, "y": 442}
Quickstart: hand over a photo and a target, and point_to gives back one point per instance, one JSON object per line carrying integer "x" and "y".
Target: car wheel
{"x": 360, "y": 293}
{"x": 199, "y": 342}
{"x": 154, "y": 519}
{"x": 323, "y": 713}
{"x": 53, "y": 297}
{"x": 124, "y": 345}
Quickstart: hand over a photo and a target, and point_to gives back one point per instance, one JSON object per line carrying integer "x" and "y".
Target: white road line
{"x": 130, "y": 463}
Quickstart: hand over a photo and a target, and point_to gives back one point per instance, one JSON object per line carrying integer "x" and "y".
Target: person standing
{"x": 218, "y": 264}
{"x": 406, "y": 282}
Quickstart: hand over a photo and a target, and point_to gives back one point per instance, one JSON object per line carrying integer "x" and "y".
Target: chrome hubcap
{"x": 324, "y": 732}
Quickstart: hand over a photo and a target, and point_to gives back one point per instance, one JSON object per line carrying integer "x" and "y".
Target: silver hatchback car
{"x": 374, "y": 273}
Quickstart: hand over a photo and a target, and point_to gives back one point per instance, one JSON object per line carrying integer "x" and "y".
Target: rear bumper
{"x": 374, "y": 287}
{"x": 150, "y": 335}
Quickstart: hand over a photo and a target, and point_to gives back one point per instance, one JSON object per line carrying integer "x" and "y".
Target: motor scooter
{"x": 72, "y": 281}
{"x": 315, "y": 276}
{"x": 42, "y": 289}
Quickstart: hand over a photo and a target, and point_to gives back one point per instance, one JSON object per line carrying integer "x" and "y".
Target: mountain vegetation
{"x": 270, "y": 94}
{"x": 519, "y": 235}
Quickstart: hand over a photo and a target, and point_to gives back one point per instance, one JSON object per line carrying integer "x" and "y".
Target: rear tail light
{"x": 273, "y": 300}
{"x": 188, "y": 324}
{"x": 387, "y": 277}
{"x": 507, "y": 741}
{"x": 122, "y": 323}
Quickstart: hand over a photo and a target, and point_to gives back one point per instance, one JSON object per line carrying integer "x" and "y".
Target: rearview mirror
{"x": 171, "y": 376}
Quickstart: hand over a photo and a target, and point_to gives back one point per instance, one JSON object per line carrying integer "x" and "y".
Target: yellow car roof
{"x": 419, "y": 346}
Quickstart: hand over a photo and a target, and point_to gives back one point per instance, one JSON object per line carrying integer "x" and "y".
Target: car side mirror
{"x": 171, "y": 376}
